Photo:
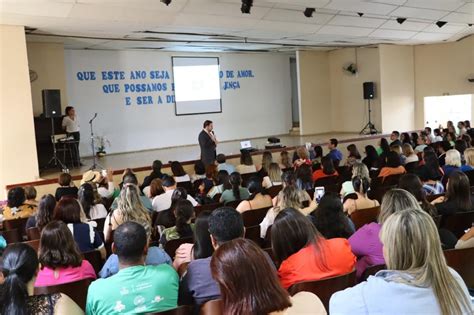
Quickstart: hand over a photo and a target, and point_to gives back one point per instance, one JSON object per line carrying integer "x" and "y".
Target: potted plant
{"x": 102, "y": 142}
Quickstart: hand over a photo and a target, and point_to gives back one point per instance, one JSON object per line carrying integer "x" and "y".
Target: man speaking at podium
{"x": 208, "y": 143}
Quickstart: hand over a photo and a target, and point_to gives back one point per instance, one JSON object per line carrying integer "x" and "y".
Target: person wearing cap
{"x": 163, "y": 201}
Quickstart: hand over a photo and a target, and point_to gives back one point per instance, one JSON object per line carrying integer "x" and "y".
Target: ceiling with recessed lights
{"x": 220, "y": 25}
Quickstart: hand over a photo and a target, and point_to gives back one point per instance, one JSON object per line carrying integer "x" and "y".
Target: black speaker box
{"x": 369, "y": 90}
{"x": 51, "y": 103}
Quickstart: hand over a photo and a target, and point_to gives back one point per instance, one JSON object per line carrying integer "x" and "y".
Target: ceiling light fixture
{"x": 167, "y": 2}
{"x": 246, "y": 6}
{"x": 308, "y": 12}
{"x": 441, "y": 23}
{"x": 401, "y": 20}
{"x": 469, "y": 24}
{"x": 360, "y": 14}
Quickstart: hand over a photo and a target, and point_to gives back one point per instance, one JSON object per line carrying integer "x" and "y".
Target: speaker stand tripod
{"x": 95, "y": 164}
{"x": 55, "y": 161}
{"x": 369, "y": 129}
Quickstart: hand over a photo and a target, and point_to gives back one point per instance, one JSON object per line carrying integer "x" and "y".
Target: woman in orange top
{"x": 393, "y": 165}
{"x": 304, "y": 254}
{"x": 327, "y": 169}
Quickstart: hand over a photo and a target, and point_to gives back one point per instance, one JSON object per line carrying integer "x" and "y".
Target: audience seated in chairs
{"x": 222, "y": 165}
{"x": 249, "y": 284}
{"x": 304, "y": 254}
{"x": 469, "y": 157}
{"x": 417, "y": 279}
{"x": 410, "y": 155}
{"x": 412, "y": 184}
{"x": 361, "y": 186}
{"x": 155, "y": 173}
{"x": 129, "y": 208}
{"x": 458, "y": 196}
{"x": 285, "y": 162}
{"x": 221, "y": 185}
{"x": 197, "y": 285}
{"x": 371, "y": 159}
{"x": 91, "y": 202}
{"x": 430, "y": 174}
{"x": 16, "y": 207}
{"x": 246, "y": 164}
{"x": 202, "y": 247}
{"x": 136, "y": 288}
{"x": 44, "y": 214}
{"x": 184, "y": 213}
{"x": 19, "y": 267}
{"x": 264, "y": 168}
{"x": 288, "y": 197}
{"x": 167, "y": 218}
{"x": 453, "y": 163}
{"x": 66, "y": 187}
{"x": 163, "y": 201}
{"x": 467, "y": 240}
{"x": 304, "y": 180}
{"x": 358, "y": 169}
{"x": 288, "y": 179}
{"x": 179, "y": 174}
{"x": 130, "y": 178}
{"x": 393, "y": 165}
{"x": 258, "y": 199}
{"x": 155, "y": 188}
{"x": 273, "y": 177}
{"x": 69, "y": 211}
{"x": 330, "y": 220}
{"x": 237, "y": 192}
{"x": 334, "y": 154}
{"x": 60, "y": 258}
{"x": 199, "y": 171}
{"x": 154, "y": 256}
{"x": 327, "y": 169}
{"x": 302, "y": 155}
{"x": 365, "y": 242}
{"x": 30, "y": 196}
{"x": 353, "y": 155}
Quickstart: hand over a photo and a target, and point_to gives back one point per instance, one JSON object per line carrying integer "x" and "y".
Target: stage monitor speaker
{"x": 51, "y": 103}
{"x": 369, "y": 90}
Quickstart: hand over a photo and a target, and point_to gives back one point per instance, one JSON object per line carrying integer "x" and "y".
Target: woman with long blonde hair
{"x": 417, "y": 279}
{"x": 129, "y": 208}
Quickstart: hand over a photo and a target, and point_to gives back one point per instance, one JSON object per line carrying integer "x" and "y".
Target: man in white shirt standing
{"x": 163, "y": 201}
{"x": 71, "y": 125}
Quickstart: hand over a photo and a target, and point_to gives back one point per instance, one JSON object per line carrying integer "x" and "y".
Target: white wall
{"x": 18, "y": 163}
{"x": 397, "y": 89}
{"x": 261, "y": 107}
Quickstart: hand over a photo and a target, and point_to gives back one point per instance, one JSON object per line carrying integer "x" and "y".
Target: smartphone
{"x": 318, "y": 193}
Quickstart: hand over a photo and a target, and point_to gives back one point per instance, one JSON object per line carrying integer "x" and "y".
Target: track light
{"x": 167, "y": 2}
{"x": 401, "y": 20}
{"x": 360, "y": 14}
{"x": 441, "y": 23}
{"x": 246, "y": 6}
{"x": 308, "y": 12}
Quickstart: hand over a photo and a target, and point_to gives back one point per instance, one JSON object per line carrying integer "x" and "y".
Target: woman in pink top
{"x": 60, "y": 260}
{"x": 365, "y": 242}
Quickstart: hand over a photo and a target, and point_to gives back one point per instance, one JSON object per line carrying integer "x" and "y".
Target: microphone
{"x": 92, "y": 119}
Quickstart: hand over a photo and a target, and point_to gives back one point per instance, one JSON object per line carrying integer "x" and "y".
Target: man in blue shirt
{"x": 222, "y": 165}
{"x": 334, "y": 154}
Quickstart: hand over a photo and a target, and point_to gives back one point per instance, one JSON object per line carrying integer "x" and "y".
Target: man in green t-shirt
{"x": 136, "y": 288}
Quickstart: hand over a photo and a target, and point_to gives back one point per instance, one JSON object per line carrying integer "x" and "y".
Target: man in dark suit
{"x": 208, "y": 143}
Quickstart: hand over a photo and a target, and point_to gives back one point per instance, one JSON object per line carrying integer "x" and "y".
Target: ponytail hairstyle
{"x": 235, "y": 180}
{"x": 86, "y": 198}
{"x": 360, "y": 184}
{"x": 20, "y": 263}
{"x": 184, "y": 211}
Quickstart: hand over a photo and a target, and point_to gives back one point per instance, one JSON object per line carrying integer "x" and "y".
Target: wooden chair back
{"x": 458, "y": 223}
{"x": 365, "y": 216}
{"x": 254, "y": 217}
{"x": 77, "y": 291}
{"x": 325, "y": 288}
{"x": 33, "y": 233}
{"x": 35, "y": 244}
{"x": 11, "y": 236}
{"x": 410, "y": 167}
{"x": 208, "y": 207}
{"x": 462, "y": 260}
{"x": 213, "y": 307}
{"x": 186, "y": 185}
{"x": 233, "y": 204}
{"x": 470, "y": 175}
{"x": 371, "y": 271}
{"x": 95, "y": 259}
{"x": 430, "y": 198}
{"x": 253, "y": 233}
{"x": 18, "y": 224}
{"x": 172, "y": 245}
{"x": 326, "y": 181}
{"x": 247, "y": 177}
{"x": 391, "y": 180}
{"x": 274, "y": 190}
